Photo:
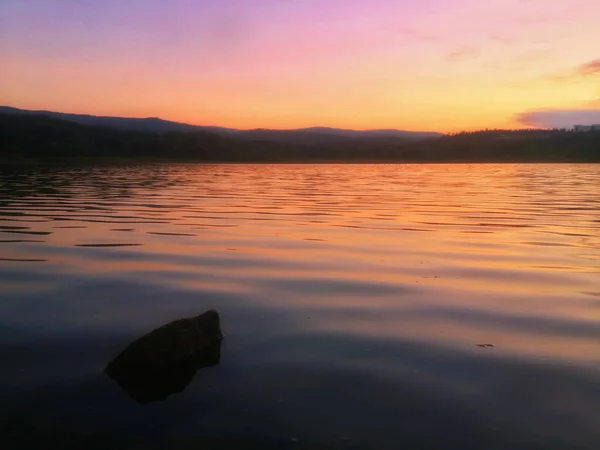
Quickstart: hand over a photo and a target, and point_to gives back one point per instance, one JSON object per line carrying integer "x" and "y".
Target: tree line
{"x": 41, "y": 137}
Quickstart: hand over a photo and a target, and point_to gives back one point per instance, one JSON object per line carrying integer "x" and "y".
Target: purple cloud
{"x": 558, "y": 118}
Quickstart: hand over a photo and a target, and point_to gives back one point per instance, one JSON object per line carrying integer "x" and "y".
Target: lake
{"x": 363, "y": 306}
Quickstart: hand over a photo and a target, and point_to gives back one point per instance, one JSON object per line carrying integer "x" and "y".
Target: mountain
{"x": 153, "y": 124}
{"x": 314, "y": 135}
{"x": 413, "y": 135}
{"x": 41, "y": 137}
{"x": 321, "y": 135}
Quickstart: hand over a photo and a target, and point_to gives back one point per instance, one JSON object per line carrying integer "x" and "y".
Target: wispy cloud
{"x": 462, "y": 54}
{"x": 584, "y": 70}
{"x": 558, "y": 118}
{"x": 503, "y": 40}
{"x": 589, "y": 68}
{"x": 417, "y": 34}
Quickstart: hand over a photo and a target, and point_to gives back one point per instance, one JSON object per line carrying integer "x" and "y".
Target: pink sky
{"x": 441, "y": 65}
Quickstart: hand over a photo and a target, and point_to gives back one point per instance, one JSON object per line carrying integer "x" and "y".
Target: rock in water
{"x": 170, "y": 343}
{"x": 165, "y": 360}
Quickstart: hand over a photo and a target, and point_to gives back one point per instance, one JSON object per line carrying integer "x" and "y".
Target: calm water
{"x": 353, "y": 299}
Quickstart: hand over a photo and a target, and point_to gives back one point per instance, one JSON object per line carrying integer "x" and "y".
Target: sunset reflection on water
{"x": 325, "y": 276}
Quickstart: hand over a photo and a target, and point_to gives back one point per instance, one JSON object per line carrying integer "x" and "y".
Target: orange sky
{"x": 443, "y": 65}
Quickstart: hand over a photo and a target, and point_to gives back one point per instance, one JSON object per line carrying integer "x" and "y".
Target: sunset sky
{"x": 443, "y": 65}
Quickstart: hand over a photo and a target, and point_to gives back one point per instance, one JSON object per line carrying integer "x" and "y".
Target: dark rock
{"x": 164, "y": 361}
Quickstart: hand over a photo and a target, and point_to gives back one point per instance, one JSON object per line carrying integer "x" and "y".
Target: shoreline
{"x": 143, "y": 160}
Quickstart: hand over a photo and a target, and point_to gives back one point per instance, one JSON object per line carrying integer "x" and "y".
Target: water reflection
{"x": 355, "y": 297}
{"x": 155, "y": 384}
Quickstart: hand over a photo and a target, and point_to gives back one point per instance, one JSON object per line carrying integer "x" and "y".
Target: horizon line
{"x": 524, "y": 128}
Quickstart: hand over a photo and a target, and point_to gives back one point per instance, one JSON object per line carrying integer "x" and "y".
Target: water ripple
{"x": 353, "y": 298}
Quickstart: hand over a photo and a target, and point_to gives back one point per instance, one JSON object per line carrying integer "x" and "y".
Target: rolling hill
{"x": 313, "y": 135}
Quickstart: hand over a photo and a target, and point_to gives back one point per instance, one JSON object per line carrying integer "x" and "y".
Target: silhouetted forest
{"x": 41, "y": 137}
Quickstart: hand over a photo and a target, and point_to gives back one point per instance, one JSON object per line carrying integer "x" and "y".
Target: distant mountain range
{"x": 313, "y": 135}
{"x": 43, "y": 136}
